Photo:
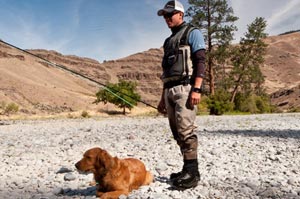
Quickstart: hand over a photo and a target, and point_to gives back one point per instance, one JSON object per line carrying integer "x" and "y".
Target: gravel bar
{"x": 251, "y": 156}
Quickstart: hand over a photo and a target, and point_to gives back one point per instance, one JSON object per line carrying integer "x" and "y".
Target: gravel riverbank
{"x": 254, "y": 156}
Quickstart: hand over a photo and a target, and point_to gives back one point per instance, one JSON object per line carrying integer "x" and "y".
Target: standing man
{"x": 183, "y": 67}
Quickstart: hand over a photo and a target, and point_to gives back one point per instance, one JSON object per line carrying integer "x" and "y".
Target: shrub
{"x": 294, "y": 110}
{"x": 203, "y": 105}
{"x": 263, "y": 104}
{"x": 9, "y": 108}
{"x": 253, "y": 104}
{"x": 220, "y": 103}
{"x": 85, "y": 114}
{"x": 245, "y": 104}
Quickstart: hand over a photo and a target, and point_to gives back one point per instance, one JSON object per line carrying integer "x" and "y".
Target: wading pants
{"x": 181, "y": 119}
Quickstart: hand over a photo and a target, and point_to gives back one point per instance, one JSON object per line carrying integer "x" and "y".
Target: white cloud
{"x": 286, "y": 18}
{"x": 281, "y": 15}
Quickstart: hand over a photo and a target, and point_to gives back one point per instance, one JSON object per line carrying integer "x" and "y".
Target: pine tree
{"x": 246, "y": 76}
{"x": 216, "y": 19}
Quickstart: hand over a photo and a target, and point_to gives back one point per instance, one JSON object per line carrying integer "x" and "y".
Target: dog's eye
{"x": 88, "y": 158}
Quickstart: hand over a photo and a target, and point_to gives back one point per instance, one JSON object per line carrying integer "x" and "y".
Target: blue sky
{"x": 112, "y": 29}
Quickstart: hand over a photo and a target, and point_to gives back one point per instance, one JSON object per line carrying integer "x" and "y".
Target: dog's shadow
{"x": 89, "y": 191}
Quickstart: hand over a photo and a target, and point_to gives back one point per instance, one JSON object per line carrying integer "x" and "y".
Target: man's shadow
{"x": 165, "y": 180}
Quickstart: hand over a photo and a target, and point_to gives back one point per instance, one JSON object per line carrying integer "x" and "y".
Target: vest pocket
{"x": 171, "y": 60}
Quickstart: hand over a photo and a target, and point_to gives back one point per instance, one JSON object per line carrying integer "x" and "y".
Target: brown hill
{"x": 39, "y": 88}
{"x": 282, "y": 66}
{"x": 282, "y": 71}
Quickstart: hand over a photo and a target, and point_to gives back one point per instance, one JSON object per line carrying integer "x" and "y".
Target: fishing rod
{"x": 111, "y": 90}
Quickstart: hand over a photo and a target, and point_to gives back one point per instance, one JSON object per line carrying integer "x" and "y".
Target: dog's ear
{"x": 104, "y": 160}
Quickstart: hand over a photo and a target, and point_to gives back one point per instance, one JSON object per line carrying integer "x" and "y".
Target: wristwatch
{"x": 197, "y": 90}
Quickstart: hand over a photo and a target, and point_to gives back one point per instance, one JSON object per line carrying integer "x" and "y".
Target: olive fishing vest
{"x": 177, "y": 63}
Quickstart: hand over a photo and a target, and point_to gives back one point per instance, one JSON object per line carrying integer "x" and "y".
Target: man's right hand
{"x": 162, "y": 107}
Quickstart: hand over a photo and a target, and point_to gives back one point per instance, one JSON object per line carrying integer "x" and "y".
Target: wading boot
{"x": 188, "y": 177}
{"x": 186, "y": 180}
{"x": 173, "y": 176}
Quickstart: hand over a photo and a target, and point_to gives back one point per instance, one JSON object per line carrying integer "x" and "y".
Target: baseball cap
{"x": 170, "y": 7}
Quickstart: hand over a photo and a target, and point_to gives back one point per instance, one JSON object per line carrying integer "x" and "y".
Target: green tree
{"x": 216, "y": 19}
{"x": 247, "y": 58}
{"x": 122, "y": 94}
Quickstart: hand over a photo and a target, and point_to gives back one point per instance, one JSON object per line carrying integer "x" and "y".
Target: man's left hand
{"x": 195, "y": 98}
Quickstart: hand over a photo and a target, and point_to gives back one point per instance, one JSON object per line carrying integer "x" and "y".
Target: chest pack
{"x": 177, "y": 63}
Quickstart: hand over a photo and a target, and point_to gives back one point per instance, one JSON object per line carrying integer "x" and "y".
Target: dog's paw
{"x": 93, "y": 183}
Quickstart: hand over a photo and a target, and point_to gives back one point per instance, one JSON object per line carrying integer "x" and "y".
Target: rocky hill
{"x": 38, "y": 87}
{"x": 282, "y": 70}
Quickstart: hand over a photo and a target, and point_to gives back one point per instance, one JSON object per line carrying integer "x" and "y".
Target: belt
{"x": 171, "y": 84}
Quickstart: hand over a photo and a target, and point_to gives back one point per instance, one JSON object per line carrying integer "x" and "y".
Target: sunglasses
{"x": 169, "y": 15}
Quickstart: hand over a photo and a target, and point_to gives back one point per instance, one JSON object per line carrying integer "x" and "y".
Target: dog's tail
{"x": 149, "y": 178}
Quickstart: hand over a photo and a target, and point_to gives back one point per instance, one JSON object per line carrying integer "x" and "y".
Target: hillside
{"x": 282, "y": 70}
{"x": 282, "y": 66}
{"x": 39, "y": 88}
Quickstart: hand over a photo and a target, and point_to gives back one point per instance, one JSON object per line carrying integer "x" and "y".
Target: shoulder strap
{"x": 184, "y": 37}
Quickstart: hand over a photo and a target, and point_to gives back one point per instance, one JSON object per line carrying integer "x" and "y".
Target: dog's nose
{"x": 77, "y": 165}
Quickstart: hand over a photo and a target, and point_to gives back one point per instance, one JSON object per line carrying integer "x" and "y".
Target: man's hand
{"x": 162, "y": 107}
{"x": 195, "y": 98}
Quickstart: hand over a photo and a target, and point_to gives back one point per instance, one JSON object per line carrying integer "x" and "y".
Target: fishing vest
{"x": 177, "y": 62}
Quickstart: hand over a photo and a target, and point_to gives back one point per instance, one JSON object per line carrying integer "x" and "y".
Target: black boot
{"x": 188, "y": 165}
{"x": 173, "y": 176}
{"x": 188, "y": 177}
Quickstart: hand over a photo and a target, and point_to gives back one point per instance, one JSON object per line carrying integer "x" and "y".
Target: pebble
{"x": 64, "y": 170}
{"x": 292, "y": 181}
{"x": 69, "y": 177}
{"x": 58, "y": 191}
{"x": 252, "y": 156}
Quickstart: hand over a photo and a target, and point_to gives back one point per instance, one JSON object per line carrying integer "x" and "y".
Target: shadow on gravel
{"x": 163, "y": 179}
{"x": 284, "y": 134}
{"x": 90, "y": 191}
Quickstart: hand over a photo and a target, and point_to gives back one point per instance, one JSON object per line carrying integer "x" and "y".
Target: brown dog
{"x": 114, "y": 176}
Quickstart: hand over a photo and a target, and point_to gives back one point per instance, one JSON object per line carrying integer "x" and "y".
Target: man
{"x": 183, "y": 71}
